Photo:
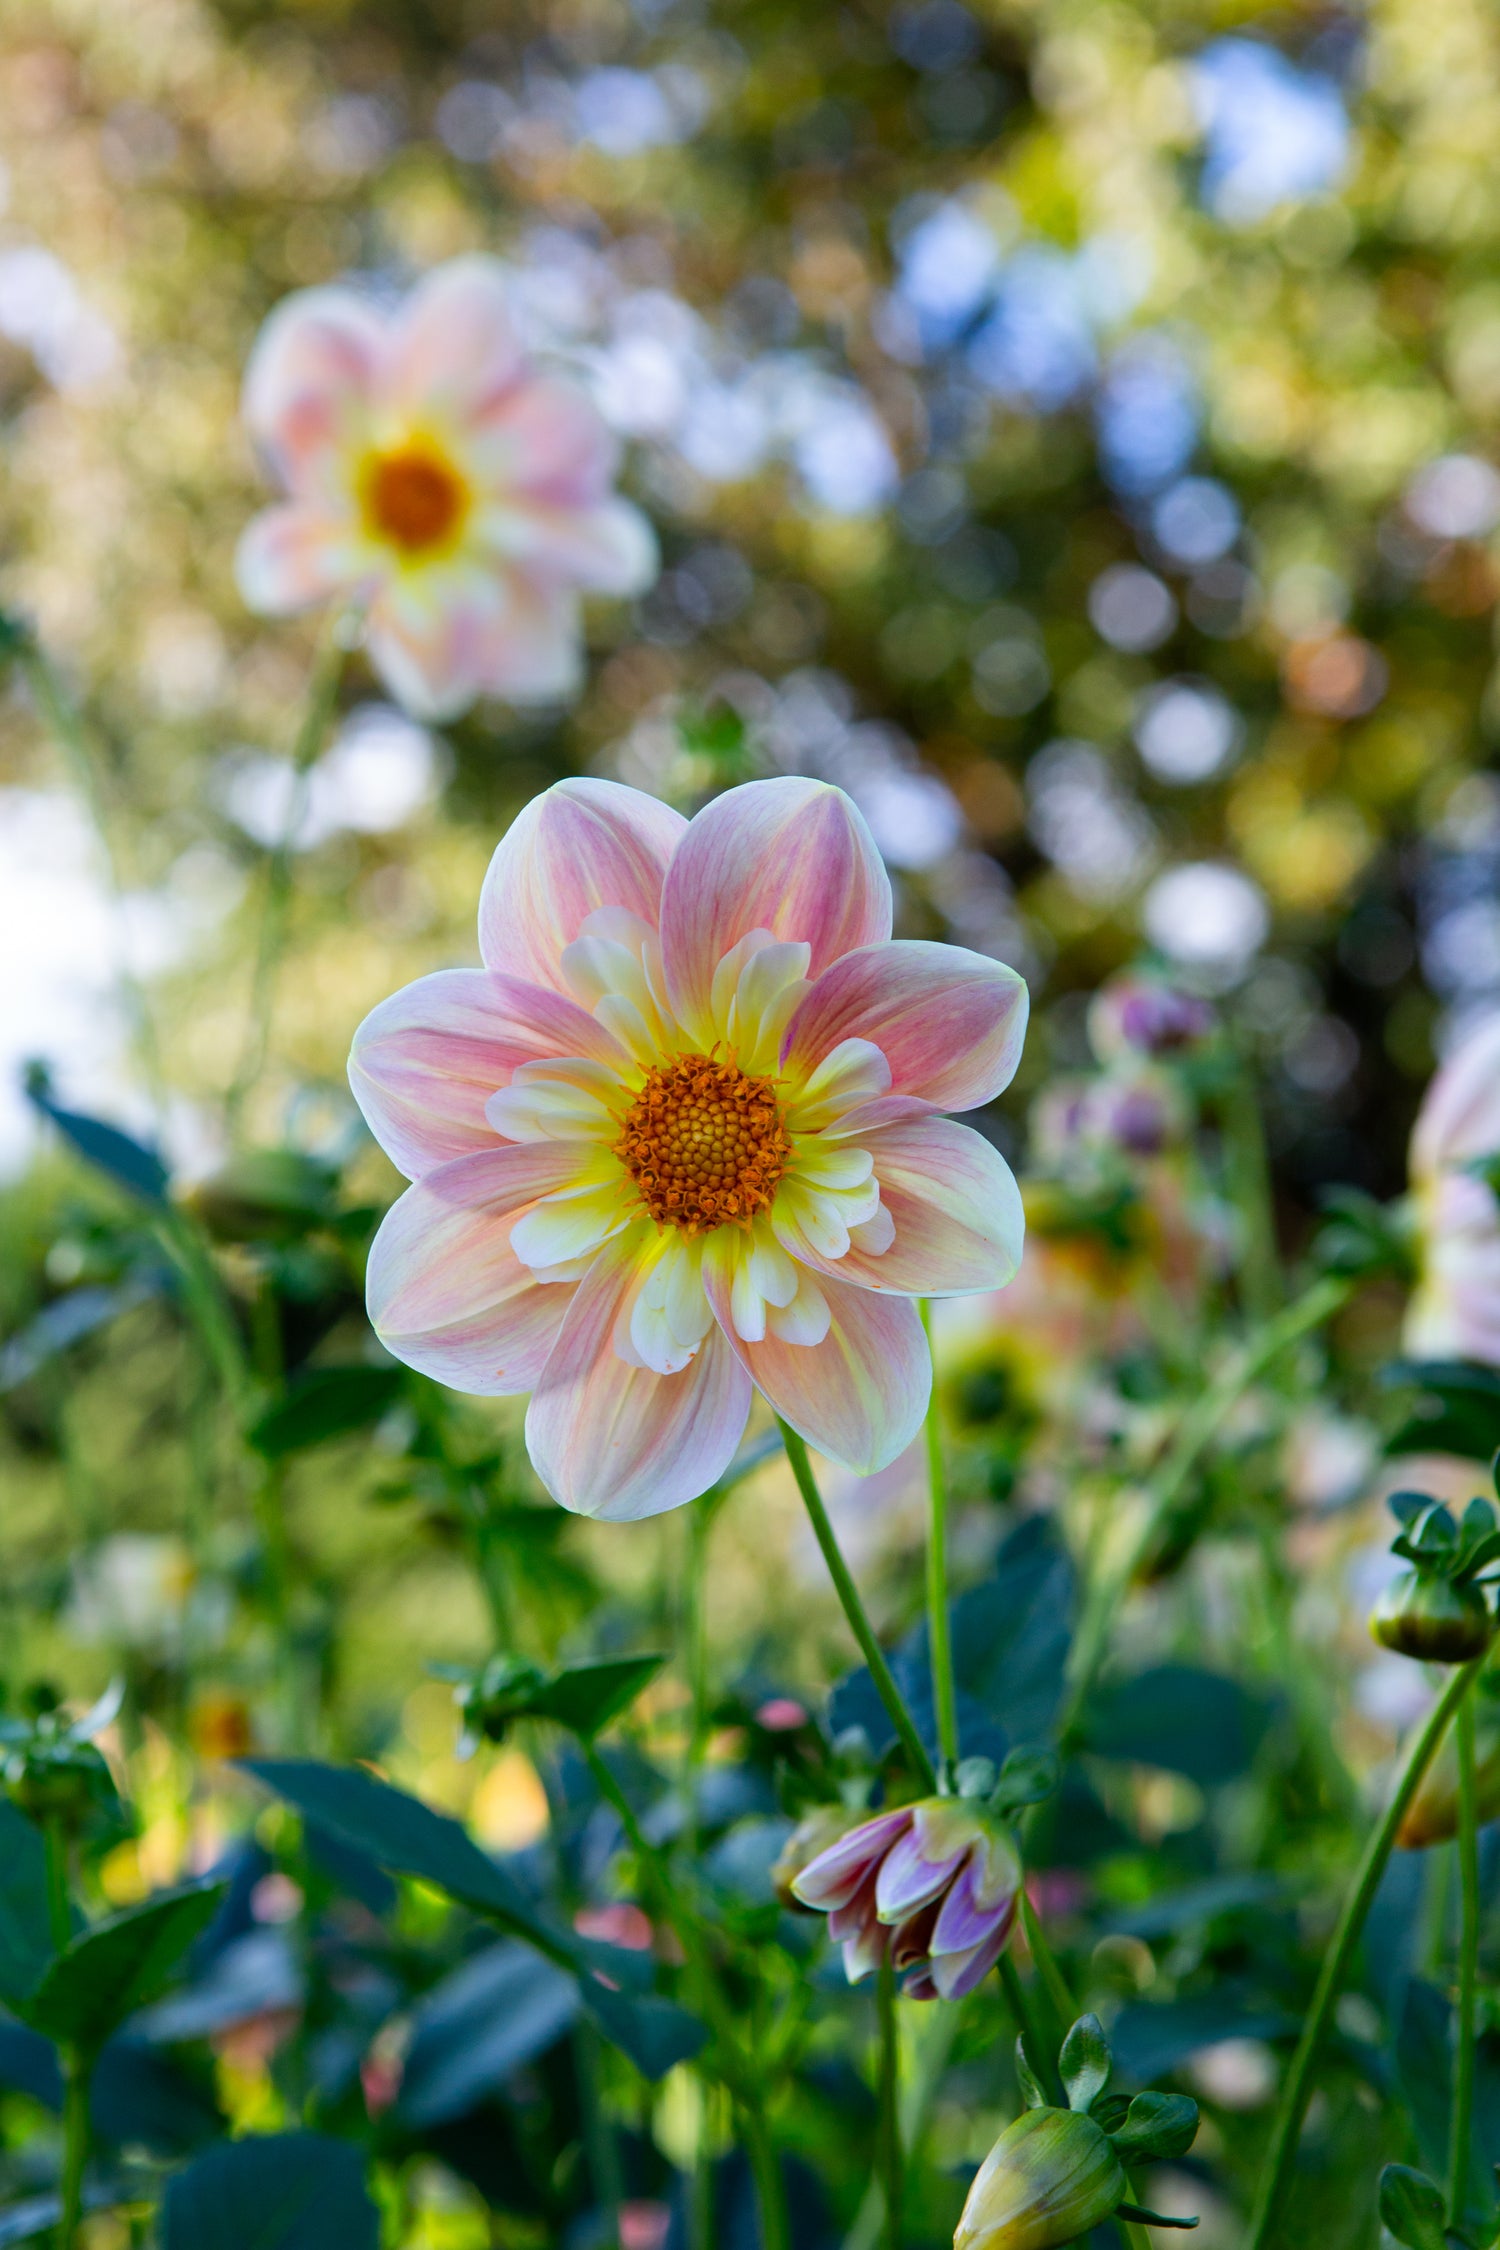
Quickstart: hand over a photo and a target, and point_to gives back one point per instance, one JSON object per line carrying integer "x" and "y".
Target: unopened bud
{"x": 1432, "y": 1816}
{"x": 1433, "y": 1619}
{"x": 1049, "y": 2178}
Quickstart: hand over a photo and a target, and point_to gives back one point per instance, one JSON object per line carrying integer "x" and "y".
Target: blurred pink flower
{"x": 933, "y": 1884}
{"x": 437, "y": 481}
{"x": 678, "y": 1140}
{"x": 1454, "y": 1311}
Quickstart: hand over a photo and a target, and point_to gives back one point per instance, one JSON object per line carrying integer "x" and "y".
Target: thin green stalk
{"x": 1041, "y": 2052}
{"x": 892, "y": 2166}
{"x": 854, "y": 1608}
{"x": 322, "y": 699}
{"x": 1250, "y": 1192}
{"x": 598, "y": 2138}
{"x": 944, "y": 1699}
{"x": 1199, "y": 1427}
{"x": 766, "y": 2172}
{"x": 1461, "y": 2129}
{"x": 1054, "y": 1983}
{"x": 938, "y": 2029}
{"x": 1297, "y": 2086}
{"x": 75, "y": 2146}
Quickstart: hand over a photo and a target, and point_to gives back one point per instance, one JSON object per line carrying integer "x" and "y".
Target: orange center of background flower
{"x": 704, "y": 1144}
{"x": 413, "y": 497}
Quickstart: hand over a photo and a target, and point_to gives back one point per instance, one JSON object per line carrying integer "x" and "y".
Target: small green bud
{"x": 1048, "y": 2179}
{"x": 1433, "y": 1619}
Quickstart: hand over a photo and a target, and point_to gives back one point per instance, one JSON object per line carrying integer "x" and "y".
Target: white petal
{"x": 550, "y": 1109}
{"x": 838, "y": 1165}
{"x": 874, "y": 1236}
{"x": 563, "y": 1227}
{"x": 855, "y": 1071}
{"x": 806, "y": 1320}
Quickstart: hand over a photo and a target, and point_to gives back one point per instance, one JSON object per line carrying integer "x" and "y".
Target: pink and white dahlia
{"x": 438, "y": 482}
{"x": 678, "y": 1140}
{"x": 934, "y": 1885}
{"x": 1454, "y": 1311}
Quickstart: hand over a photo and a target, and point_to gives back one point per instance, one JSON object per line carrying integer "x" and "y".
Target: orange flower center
{"x": 704, "y": 1143}
{"x": 413, "y": 497}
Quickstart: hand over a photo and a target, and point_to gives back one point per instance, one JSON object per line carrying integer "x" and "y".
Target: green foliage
{"x": 106, "y": 1974}
{"x": 283, "y": 2191}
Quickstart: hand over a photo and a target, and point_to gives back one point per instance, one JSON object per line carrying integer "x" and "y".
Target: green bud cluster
{"x": 1056, "y": 2173}
{"x": 1438, "y": 1611}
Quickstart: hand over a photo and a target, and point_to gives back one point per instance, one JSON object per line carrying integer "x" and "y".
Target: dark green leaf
{"x": 1150, "y": 2037}
{"x": 1026, "y": 1778}
{"x": 1177, "y": 1717}
{"x": 129, "y": 1162}
{"x": 1011, "y": 1634}
{"x": 1084, "y": 2063}
{"x": 118, "y": 1966}
{"x": 655, "y": 2034}
{"x": 586, "y": 1697}
{"x": 471, "y": 2032}
{"x": 1151, "y": 2218}
{"x": 1457, "y": 1409}
{"x": 287, "y": 2191}
{"x": 331, "y": 1402}
{"x": 1411, "y": 2208}
{"x": 1157, "y": 2127}
{"x": 25, "y": 1936}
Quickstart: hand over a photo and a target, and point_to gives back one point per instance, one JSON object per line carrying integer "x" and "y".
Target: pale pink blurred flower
{"x": 934, "y": 1885}
{"x": 679, "y": 1139}
{"x": 438, "y": 483}
{"x": 1454, "y": 1311}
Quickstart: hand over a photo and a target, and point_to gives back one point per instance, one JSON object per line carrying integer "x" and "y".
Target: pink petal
{"x": 428, "y": 631}
{"x": 621, "y": 1442}
{"x": 793, "y": 857}
{"x": 1460, "y": 1113}
{"x": 446, "y": 1292}
{"x": 834, "y": 1876}
{"x": 949, "y": 1022}
{"x": 310, "y": 383}
{"x": 425, "y": 1062}
{"x": 859, "y": 1396}
{"x": 548, "y": 441}
{"x": 953, "y": 1975}
{"x": 296, "y": 555}
{"x": 608, "y": 546}
{"x": 581, "y": 845}
{"x": 532, "y": 649}
{"x": 956, "y": 1209}
{"x": 455, "y": 348}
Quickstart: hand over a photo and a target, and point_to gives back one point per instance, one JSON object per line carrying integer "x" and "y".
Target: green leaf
{"x": 284, "y": 2191}
{"x": 1181, "y": 1718}
{"x": 655, "y": 2034}
{"x": 1033, "y": 2093}
{"x": 1026, "y": 1778}
{"x": 118, "y": 1966}
{"x": 1411, "y": 2208}
{"x": 585, "y": 1697}
{"x": 330, "y": 1402}
{"x": 25, "y": 1931}
{"x": 493, "y": 2014}
{"x": 130, "y": 1163}
{"x": 1084, "y": 2063}
{"x": 1151, "y": 2218}
{"x": 1156, "y": 2128}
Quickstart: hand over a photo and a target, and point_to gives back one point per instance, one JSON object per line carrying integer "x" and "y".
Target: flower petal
{"x": 581, "y": 845}
{"x": 293, "y": 556}
{"x": 619, "y": 1442}
{"x": 956, "y": 1209}
{"x": 425, "y": 1062}
{"x": 547, "y": 441}
{"x": 607, "y": 546}
{"x": 531, "y": 651}
{"x": 1460, "y": 1113}
{"x": 834, "y": 1876}
{"x": 790, "y": 856}
{"x": 310, "y": 383}
{"x": 447, "y": 1294}
{"x": 455, "y": 348}
{"x": 954, "y": 1975}
{"x": 858, "y": 1396}
{"x": 949, "y": 1022}
{"x": 578, "y": 1221}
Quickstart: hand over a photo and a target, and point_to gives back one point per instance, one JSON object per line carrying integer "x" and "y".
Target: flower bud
{"x": 1048, "y": 2179}
{"x": 1432, "y": 1816}
{"x": 1433, "y": 1619}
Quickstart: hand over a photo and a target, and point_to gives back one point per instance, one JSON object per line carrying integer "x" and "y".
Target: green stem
{"x": 1249, "y": 1189}
{"x": 1199, "y": 1427}
{"x": 75, "y": 2146}
{"x": 323, "y": 693}
{"x": 854, "y": 1609}
{"x": 1461, "y": 2130}
{"x": 1041, "y": 2052}
{"x": 765, "y": 2170}
{"x": 598, "y": 2138}
{"x": 1054, "y": 1983}
{"x": 892, "y": 2167}
{"x": 944, "y": 1699}
{"x": 1297, "y": 2087}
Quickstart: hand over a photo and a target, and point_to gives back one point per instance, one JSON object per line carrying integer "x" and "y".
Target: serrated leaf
{"x": 1411, "y": 2208}
{"x": 585, "y": 1697}
{"x": 118, "y": 1966}
{"x": 330, "y": 1402}
{"x": 1157, "y": 2127}
{"x": 283, "y": 2191}
{"x": 1084, "y": 2063}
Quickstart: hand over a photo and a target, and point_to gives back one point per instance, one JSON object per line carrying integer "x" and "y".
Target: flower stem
{"x": 891, "y": 2162}
{"x": 1199, "y": 1427}
{"x": 1297, "y": 2086}
{"x": 75, "y": 2146}
{"x": 854, "y": 1608}
{"x": 323, "y": 692}
{"x": 1461, "y": 2129}
{"x": 765, "y": 2171}
{"x": 944, "y": 1698}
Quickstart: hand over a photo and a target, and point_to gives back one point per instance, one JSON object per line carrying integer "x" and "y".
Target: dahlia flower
{"x": 934, "y": 1885}
{"x": 1454, "y": 1311}
{"x": 438, "y": 483}
{"x": 679, "y": 1139}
